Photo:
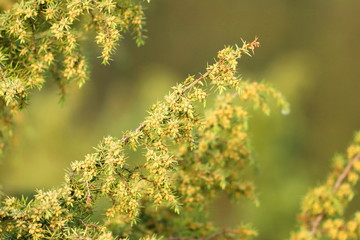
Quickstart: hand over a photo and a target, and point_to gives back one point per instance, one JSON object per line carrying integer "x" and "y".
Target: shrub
{"x": 191, "y": 153}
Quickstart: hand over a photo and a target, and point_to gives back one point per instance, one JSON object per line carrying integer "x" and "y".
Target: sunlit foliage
{"x": 40, "y": 39}
{"x": 191, "y": 153}
{"x": 189, "y": 157}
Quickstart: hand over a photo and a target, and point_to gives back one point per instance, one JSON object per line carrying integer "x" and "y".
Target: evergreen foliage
{"x": 42, "y": 37}
{"x": 191, "y": 153}
{"x": 189, "y": 159}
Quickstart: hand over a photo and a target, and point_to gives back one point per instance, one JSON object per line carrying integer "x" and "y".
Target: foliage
{"x": 42, "y": 38}
{"x": 175, "y": 137}
{"x": 323, "y": 208}
{"x": 191, "y": 153}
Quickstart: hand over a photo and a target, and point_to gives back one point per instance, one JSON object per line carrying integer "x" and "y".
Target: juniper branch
{"x": 247, "y": 46}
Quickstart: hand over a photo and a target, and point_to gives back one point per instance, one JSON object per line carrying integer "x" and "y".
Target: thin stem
{"x": 345, "y": 172}
{"x": 142, "y": 177}
{"x": 141, "y": 127}
{"x": 89, "y": 224}
{"x": 88, "y": 199}
{"x": 123, "y": 178}
{"x": 200, "y": 78}
{"x": 10, "y": 69}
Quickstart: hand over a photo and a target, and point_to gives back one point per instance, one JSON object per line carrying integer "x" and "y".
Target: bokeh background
{"x": 310, "y": 51}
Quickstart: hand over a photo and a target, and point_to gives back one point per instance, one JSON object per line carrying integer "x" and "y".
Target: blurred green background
{"x": 310, "y": 51}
